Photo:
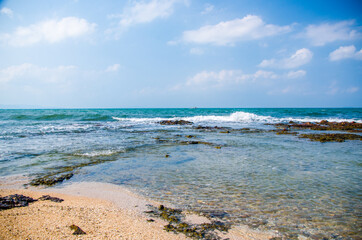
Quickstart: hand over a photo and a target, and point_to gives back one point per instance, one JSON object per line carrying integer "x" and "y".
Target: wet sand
{"x": 102, "y": 211}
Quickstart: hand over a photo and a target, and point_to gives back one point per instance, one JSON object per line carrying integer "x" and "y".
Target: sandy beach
{"x": 102, "y": 211}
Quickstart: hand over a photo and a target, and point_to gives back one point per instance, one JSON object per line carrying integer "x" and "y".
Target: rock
{"x": 166, "y": 156}
{"x": 77, "y": 230}
{"x": 195, "y": 142}
{"x": 16, "y": 200}
{"x": 53, "y": 199}
{"x": 323, "y": 125}
{"x": 175, "y": 122}
{"x": 285, "y": 131}
{"x": 51, "y": 180}
{"x": 331, "y": 137}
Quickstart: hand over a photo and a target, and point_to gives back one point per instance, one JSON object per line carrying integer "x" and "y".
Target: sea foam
{"x": 236, "y": 117}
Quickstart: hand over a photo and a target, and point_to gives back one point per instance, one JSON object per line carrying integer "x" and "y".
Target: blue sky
{"x": 180, "y": 53}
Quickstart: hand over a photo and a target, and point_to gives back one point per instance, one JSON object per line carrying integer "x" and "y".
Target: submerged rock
{"x": 15, "y": 200}
{"x": 323, "y": 125}
{"x": 51, "y": 180}
{"x": 210, "y": 128}
{"x": 195, "y": 142}
{"x": 284, "y": 132}
{"x": 331, "y": 137}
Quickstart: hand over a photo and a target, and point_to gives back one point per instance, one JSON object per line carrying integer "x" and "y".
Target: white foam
{"x": 98, "y": 153}
{"x": 243, "y": 117}
{"x": 236, "y": 117}
{"x": 66, "y": 128}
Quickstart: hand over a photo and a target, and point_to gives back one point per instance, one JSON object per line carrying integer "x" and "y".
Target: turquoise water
{"x": 258, "y": 178}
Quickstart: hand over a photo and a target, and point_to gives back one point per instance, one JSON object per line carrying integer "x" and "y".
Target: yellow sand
{"x": 120, "y": 216}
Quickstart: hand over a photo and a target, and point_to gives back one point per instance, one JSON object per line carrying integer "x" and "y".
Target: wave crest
{"x": 236, "y": 117}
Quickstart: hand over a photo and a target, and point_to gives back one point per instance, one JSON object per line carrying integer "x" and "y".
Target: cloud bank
{"x": 142, "y": 12}
{"x": 321, "y": 34}
{"x": 227, "y": 33}
{"x": 345, "y": 52}
{"x": 6, "y": 11}
{"x": 49, "y": 31}
{"x": 299, "y": 58}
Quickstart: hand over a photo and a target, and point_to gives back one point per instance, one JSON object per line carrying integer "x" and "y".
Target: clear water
{"x": 261, "y": 179}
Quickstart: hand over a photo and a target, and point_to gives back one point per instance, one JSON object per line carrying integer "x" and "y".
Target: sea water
{"x": 255, "y": 177}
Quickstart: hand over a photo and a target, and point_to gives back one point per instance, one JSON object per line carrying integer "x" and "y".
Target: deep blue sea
{"x": 258, "y": 178}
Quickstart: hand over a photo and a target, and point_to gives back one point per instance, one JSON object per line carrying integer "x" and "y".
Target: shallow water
{"x": 265, "y": 180}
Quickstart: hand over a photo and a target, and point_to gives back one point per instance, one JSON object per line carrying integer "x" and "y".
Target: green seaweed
{"x": 175, "y": 224}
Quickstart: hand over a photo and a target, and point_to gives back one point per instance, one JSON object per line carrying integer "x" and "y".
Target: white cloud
{"x": 207, "y": 79}
{"x": 50, "y": 31}
{"x": 227, "y": 33}
{"x": 208, "y": 9}
{"x": 352, "y": 89}
{"x": 299, "y": 58}
{"x": 142, "y": 12}
{"x": 6, "y": 11}
{"x": 296, "y": 74}
{"x": 31, "y": 71}
{"x": 324, "y": 33}
{"x": 196, "y": 51}
{"x": 334, "y": 89}
{"x": 113, "y": 68}
{"x": 344, "y": 52}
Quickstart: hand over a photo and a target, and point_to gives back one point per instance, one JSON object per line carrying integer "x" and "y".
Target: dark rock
{"x": 195, "y": 142}
{"x": 284, "y": 131}
{"x": 190, "y": 136}
{"x": 15, "y": 200}
{"x": 323, "y": 125}
{"x": 53, "y": 199}
{"x": 150, "y": 220}
{"x": 209, "y": 128}
{"x": 175, "y": 122}
{"x": 77, "y": 230}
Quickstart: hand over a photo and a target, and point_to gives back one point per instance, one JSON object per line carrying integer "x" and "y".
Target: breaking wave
{"x": 236, "y": 117}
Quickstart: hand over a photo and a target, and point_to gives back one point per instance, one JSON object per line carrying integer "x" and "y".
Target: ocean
{"x": 229, "y": 161}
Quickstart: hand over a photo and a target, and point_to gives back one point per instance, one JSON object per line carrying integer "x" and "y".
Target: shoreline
{"x": 102, "y": 210}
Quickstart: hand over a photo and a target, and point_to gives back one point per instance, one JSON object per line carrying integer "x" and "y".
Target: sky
{"x": 180, "y": 53}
